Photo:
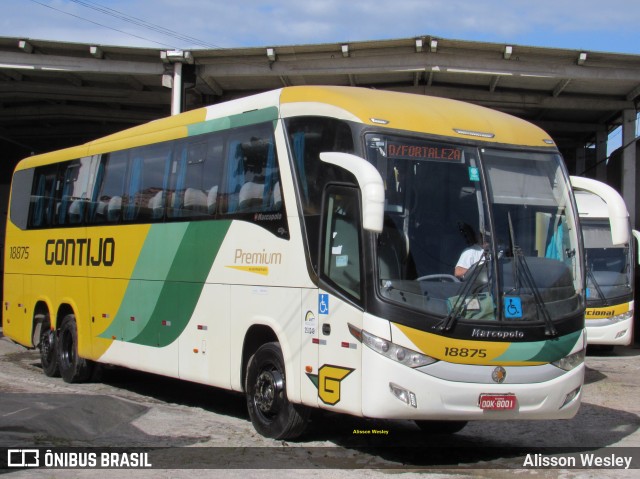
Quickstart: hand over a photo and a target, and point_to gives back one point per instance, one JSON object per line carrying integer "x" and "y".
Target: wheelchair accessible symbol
{"x": 512, "y": 307}
{"x": 323, "y": 304}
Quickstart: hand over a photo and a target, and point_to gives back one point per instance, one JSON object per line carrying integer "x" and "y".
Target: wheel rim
{"x": 268, "y": 392}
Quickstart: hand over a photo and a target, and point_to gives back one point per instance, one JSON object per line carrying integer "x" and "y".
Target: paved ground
{"x": 129, "y": 409}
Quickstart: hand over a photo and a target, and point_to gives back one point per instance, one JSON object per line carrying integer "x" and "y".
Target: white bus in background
{"x": 610, "y": 262}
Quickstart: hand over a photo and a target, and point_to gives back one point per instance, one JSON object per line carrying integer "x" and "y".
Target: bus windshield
{"x": 608, "y": 265}
{"x": 474, "y": 234}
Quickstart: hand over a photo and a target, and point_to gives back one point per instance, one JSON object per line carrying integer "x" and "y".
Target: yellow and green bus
{"x": 302, "y": 246}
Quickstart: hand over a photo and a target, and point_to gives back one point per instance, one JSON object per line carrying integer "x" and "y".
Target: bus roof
{"x": 399, "y": 111}
{"x": 420, "y": 113}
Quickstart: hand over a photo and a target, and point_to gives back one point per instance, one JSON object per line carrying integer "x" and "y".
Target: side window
{"x": 73, "y": 191}
{"x": 43, "y": 197}
{"x": 310, "y": 136}
{"x": 251, "y": 182}
{"x": 146, "y": 192}
{"x": 106, "y": 205}
{"x": 198, "y": 174}
{"x": 21, "y": 199}
{"x": 341, "y": 250}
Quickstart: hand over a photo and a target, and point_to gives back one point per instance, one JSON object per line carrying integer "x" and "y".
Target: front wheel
{"x": 270, "y": 411}
{"x": 73, "y": 368}
{"x": 441, "y": 427}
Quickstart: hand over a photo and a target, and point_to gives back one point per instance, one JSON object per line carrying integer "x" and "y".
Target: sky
{"x": 605, "y": 26}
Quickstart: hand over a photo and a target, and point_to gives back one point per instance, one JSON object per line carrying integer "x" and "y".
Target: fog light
{"x": 621, "y": 333}
{"x": 571, "y": 396}
{"x": 404, "y": 395}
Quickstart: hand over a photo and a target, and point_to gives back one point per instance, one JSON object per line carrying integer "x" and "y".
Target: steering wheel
{"x": 441, "y": 277}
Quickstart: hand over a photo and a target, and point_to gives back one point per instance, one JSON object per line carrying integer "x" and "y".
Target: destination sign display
{"x": 423, "y": 151}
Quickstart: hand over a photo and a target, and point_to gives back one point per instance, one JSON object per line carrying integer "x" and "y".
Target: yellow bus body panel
{"x": 423, "y": 114}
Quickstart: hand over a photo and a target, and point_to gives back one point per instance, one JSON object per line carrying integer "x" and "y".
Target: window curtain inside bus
{"x": 134, "y": 186}
{"x": 178, "y": 195}
{"x": 529, "y": 182}
{"x": 96, "y": 191}
{"x": 298, "y": 147}
{"x": 67, "y": 189}
{"x": 556, "y": 238}
{"x": 598, "y": 236}
{"x": 159, "y": 212}
{"x": 235, "y": 175}
{"x": 38, "y": 213}
{"x": 269, "y": 178}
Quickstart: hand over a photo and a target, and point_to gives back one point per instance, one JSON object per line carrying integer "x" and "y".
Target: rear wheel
{"x": 48, "y": 353}
{"x": 441, "y": 427}
{"x": 73, "y": 368}
{"x": 270, "y": 411}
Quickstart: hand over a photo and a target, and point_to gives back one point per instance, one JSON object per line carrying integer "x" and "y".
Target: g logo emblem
{"x": 328, "y": 382}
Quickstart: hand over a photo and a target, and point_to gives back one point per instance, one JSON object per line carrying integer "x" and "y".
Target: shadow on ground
{"x": 100, "y": 420}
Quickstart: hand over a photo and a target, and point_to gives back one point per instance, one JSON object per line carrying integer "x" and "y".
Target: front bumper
{"x": 445, "y": 399}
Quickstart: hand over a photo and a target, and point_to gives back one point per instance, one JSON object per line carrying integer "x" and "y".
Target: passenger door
{"x": 339, "y": 302}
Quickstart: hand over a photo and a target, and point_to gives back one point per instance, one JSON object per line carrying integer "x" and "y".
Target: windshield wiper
{"x": 461, "y": 302}
{"x": 592, "y": 276}
{"x": 520, "y": 264}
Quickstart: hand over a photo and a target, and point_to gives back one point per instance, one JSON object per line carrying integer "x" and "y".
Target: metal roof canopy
{"x": 56, "y": 94}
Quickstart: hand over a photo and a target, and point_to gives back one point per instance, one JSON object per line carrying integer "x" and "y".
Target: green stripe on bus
{"x": 159, "y": 249}
{"x": 541, "y": 351}
{"x": 521, "y": 351}
{"x": 183, "y": 286}
{"x": 555, "y": 349}
{"x": 234, "y": 121}
{"x": 164, "y": 302}
{"x": 153, "y": 265}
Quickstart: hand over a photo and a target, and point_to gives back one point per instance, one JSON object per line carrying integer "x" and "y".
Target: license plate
{"x": 497, "y": 402}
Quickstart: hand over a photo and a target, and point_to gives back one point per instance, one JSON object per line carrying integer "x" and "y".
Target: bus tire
{"x": 441, "y": 427}
{"x": 48, "y": 350}
{"x": 73, "y": 368}
{"x": 271, "y": 413}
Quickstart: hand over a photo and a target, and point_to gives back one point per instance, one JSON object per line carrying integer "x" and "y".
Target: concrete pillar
{"x": 601, "y": 156}
{"x": 176, "y": 90}
{"x": 629, "y": 169}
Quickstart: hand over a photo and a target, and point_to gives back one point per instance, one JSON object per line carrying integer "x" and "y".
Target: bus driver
{"x": 470, "y": 255}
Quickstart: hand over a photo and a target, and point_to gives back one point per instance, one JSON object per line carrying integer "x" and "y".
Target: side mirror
{"x": 370, "y": 184}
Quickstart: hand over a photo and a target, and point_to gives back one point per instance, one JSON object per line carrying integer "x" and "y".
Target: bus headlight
{"x": 621, "y": 317}
{"x": 402, "y": 355}
{"x": 570, "y": 362}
